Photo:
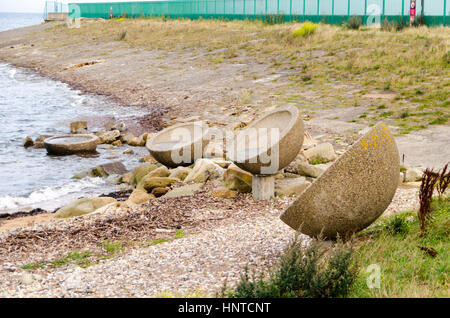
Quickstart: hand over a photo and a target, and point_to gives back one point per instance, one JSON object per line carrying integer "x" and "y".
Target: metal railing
{"x": 54, "y": 7}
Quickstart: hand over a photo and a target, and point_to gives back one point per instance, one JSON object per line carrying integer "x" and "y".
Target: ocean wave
{"x": 50, "y": 193}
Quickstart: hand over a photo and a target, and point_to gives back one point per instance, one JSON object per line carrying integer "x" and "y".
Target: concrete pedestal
{"x": 263, "y": 187}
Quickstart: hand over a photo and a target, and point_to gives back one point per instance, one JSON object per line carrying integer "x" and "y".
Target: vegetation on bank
{"x": 399, "y": 74}
{"x": 409, "y": 264}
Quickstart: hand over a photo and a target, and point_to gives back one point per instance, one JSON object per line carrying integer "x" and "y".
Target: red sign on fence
{"x": 412, "y": 11}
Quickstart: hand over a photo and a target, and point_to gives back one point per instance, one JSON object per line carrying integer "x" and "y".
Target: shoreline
{"x": 174, "y": 85}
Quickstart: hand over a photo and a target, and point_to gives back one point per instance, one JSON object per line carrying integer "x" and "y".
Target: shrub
{"x": 354, "y": 23}
{"x": 302, "y": 273}
{"x": 273, "y": 19}
{"x": 305, "y": 30}
{"x": 398, "y": 224}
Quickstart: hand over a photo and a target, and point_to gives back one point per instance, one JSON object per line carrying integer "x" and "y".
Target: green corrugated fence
{"x": 436, "y": 12}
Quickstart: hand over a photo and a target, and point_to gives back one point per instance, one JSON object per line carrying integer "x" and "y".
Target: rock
{"x": 237, "y": 179}
{"x": 102, "y": 201}
{"x": 148, "y": 158}
{"x": 183, "y": 191}
{"x": 141, "y": 171}
{"x": 156, "y": 182}
{"x": 108, "y": 137}
{"x": 222, "y": 162}
{"x": 27, "y": 279}
{"x": 126, "y": 178}
{"x": 413, "y": 175}
{"x": 108, "y": 169}
{"x": 138, "y": 197}
{"x": 225, "y": 193}
{"x": 158, "y": 172}
{"x": 28, "y": 142}
{"x": 351, "y": 193}
{"x": 80, "y": 175}
{"x": 118, "y": 143}
{"x": 128, "y": 152}
{"x": 290, "y": 186}
{"x": 159, "y": 192}
{"x": 39, "y": 142}
{"x": 126, "y": 138}
{"x": 78, "y": 127}
{"x": 137, "y": 142}
{"x": 111, "y": 125}
{"x": 324, "y": 151}
{"x": 79, "y": 207}
{"x": 204, "y": 169}
{"x": 305, "y": 169}
{"x": 180, "y": 173}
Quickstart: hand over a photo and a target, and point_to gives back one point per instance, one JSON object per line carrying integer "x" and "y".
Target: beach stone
{"x": 108, "y": 137}
{"x": 158, "y": 192}
{"x": 204, "y": 169}
{"x": 112, "y": 125}
{"x": 79, "y": 207}
{"x": 141, "y": 171}
{"x": 39, "y": 142}
{"x": 136, "y": 142}
{"x": 118, "y": 143}
{"x": 290, "y": 186}
{"x": 308, "y": 170}
{"x": 126, "y": 138}
{"x": 413, "y": 175}
{"x": 222, "y": 162}
{"x": 158, "y": 172}
{"x": 108, "y": 169}
{"x": 225, "y": 193}
{"x": 139, "y": 196}
{"x": 237, "y": 179}
{"x": 183, "y": 191}
{"x": 180, "y": 173}
{"x": 353, "y": 192}
{"x": 78, "y": 127}
{"x": 27, "y": 279}
{"x": 148, "y": 158}
{"x": 156, "y": 182}
{"x": 126, "y": 178}
{"x": 290, "y": 126}
{"x": 102, "y": 201}
{"x": 324, "y": 151}
{"x": 28, "y": 142}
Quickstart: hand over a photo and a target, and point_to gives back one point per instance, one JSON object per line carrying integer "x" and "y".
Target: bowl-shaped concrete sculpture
{"x": 270, "y": 143}
{"x": 71, "y": 144}
{"x": 179, "y": 145}
{"x": 351, "y": 193}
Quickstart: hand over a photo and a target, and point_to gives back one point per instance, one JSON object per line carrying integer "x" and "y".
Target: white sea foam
{"x": 50, "y": 194}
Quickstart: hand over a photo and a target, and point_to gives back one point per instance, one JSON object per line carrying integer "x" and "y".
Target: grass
{"x": 407, "y": 267}
{"x": 413, "y": 63}
{"x": 317, "y": 160}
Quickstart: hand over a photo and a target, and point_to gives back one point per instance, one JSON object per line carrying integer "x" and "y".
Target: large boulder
{"x": 108, "y": 137}
{"x": 83, "y": 206}
{"x": 353, "y": 192}
{"x": 237, "y": 179}
{"x": 158, "y": 172}
{"x": 290, "y": 186}
{"x": 156, "y": 182}
{"x": 323, "y": 151}
{"x": 112, "y": 125}
{"x": 204, "y": 169}
{"x": 180, "y": 173}
{"x": 141, "y": 171}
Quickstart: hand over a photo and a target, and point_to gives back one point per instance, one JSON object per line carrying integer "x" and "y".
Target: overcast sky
{"x": 37, "y": 5}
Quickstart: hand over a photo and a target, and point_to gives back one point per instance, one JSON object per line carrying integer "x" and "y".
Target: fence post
{"x": 243, "y": 9}
{"x": 444, "y": 14}
{"x": 290, "y": 8}
{"x": 278, "y": 6}
{"x": 348, "y": 9}
{"x": 384, "y": 3}
{"x": 254, "y": 9}
{"x": 403, "y": 9}
{"x": 304, "y": 6}
{"x": 233, "y": 6}
{"x": 332, "y": 8}
{"x": 318, "y": 5}
{"x": 266, "y": 7}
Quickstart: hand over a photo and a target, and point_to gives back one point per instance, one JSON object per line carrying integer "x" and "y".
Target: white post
{"x": 263, "y": 187}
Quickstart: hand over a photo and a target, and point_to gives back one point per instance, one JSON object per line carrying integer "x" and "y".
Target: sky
{"x": 36, "y": 5}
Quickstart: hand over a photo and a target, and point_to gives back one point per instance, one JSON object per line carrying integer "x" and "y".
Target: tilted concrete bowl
{"x": 291, "y": 133}
{"x": 351, "y": 193}
{"x": 71, "y": 144}
{"x": 170, "y": 144}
